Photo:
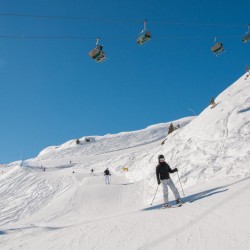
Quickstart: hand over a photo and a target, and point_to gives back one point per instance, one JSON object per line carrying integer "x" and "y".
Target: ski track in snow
{"x": 25, "y": 192}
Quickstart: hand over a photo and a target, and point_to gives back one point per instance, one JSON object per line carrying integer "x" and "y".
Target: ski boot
{"x": 179, "y": 201}
{"x": 166, "y": 205}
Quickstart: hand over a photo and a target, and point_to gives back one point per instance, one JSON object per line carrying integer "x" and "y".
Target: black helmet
{"x": 161, "y": 157}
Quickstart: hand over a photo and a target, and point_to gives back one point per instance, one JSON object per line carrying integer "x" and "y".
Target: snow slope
{"x": 66, "y": 208}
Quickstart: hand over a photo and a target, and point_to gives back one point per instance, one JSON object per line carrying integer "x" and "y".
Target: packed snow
{"x": 52, "y": 201}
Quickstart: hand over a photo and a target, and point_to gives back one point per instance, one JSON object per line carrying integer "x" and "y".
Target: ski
{"x": 194, "y": 200}
{"x": 214, "y": 106}
{"x": 173, "y": 206}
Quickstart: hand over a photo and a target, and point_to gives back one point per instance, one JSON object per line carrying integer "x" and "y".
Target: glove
{"x": 159, "y": 182}
{"x": 176, "y": 169}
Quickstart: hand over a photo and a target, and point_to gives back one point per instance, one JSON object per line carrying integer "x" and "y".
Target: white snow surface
{"x": 65, "y": 207}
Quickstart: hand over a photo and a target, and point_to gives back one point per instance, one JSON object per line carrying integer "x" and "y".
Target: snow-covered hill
{"x": 66, "y": 208}
{"x": 111, "y": 142}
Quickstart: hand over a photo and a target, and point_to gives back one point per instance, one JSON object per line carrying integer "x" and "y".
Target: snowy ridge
{"x": 110, "y": 142}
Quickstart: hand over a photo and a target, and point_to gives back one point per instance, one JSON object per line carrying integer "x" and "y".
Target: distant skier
{"x": 107, "y": 176}
{"x": 212, "y": 102}
{"x": 248, "y": 72}
{"x": 162, "y": 174}
{"x": 92, "y": 172}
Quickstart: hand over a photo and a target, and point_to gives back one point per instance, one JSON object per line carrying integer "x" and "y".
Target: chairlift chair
{"x": 97, "y": 53}
{"x": 246, "y": 37}
{"x": 217, "y": 48}
{"x": 144, "y": 36}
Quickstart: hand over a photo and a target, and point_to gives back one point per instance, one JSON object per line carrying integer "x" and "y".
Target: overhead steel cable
{"x": 39, "y": 16}
{"x": 197, "y": 24}
{"x": 72, "y": 18}
{"x": 119, "y": 20}
{"x": 44, "y": 37}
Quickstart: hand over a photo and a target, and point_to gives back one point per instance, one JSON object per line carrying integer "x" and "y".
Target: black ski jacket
{"x": 163, "y": 170}
{"x": 106, "y": 172}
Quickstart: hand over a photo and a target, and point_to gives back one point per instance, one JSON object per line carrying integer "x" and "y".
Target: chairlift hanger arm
{"x": 145, "y": 25}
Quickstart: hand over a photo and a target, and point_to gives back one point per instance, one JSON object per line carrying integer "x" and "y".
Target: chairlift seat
{"x": 145, "y": 37}
{"x": 101, "y": 57}
{"x": 97, "y": 53}
{"x": 217, "y": 48}
{"x": 246, "y": 37}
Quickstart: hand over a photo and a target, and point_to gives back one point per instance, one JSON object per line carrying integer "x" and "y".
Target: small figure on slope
{"x": 248, "y": 72}
{"x": 162, "y": 174}
{"x": 92, "y": 172}
{"x": 107, "y": 176}
{"x": 212, "y": 103}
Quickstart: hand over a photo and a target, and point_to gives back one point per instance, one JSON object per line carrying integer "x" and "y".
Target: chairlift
{"x": 97, "y": 53}
{"x": 144, "y": 36}
{"x": 246, "y": 37}
{"x": 217, "y": 48}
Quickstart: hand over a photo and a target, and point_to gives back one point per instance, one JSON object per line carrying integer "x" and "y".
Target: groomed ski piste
{"x": 66, "y": 208}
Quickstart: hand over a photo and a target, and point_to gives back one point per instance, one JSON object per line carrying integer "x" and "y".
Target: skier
{"x": 162, "y": 174}
{"x": 212, "y": 102}
{"x": 92, "y": 172}
{"x": 248, "y": 72}
{"x": 106, "y": 176}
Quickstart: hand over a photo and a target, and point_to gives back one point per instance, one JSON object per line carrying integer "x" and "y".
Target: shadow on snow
{"x": 200, "y": 195}
{"x": 244, "y": 110}
{"x": 19, "y": 229}
{"x": 192, "y": 197}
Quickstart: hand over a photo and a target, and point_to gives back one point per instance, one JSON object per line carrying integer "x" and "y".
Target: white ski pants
{"x": 106, "y": 177}
{"x": 165, "y": 184}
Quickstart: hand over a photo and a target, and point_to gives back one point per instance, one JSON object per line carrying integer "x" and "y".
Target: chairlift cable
{"x": 198, "y": 24}
{"x": 44, "y": 37}
{"x": 165, "y": 22}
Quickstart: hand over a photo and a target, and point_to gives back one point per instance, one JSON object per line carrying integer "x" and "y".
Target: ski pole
{"x": 180, "y": 184}
{"x": 154, "y": 195}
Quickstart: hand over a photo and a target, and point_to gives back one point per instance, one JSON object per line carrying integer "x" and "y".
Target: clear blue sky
{"x": 52, "y": 92}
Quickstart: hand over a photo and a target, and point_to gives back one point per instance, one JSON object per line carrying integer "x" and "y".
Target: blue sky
{"x": 52, "y": 92}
